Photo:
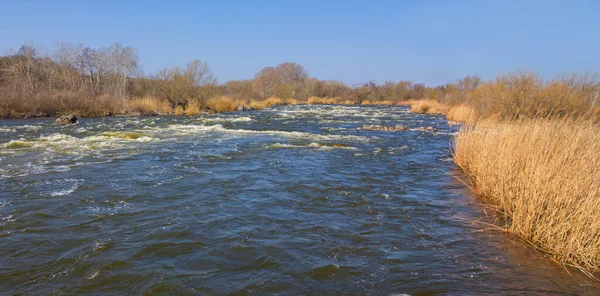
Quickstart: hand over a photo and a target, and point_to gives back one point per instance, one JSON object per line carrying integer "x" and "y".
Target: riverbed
{"x": 289, "y": 200}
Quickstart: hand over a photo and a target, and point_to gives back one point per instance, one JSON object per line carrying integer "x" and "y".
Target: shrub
{"x": 147, "y": 105}
{"x": 179, "y": 110}
{"x": 223, "y": 104}
{"x": 462, "y": 113}
{"x": 428, "y": 107}
{"x": 192, "y": 108}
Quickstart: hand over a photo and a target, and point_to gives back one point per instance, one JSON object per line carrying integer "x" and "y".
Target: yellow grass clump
{"x": 223, "y": 104}
{"x": 543, "y": 178}
{"x": 387, "y": 103}
{"x": 320, "y": 101}
{"x": 428, "y": 107}
{"x": 179, "y": 110}
{"x": 192, "y": 108}
{"x": 147, "y": 105}
{"x": 462, "y": 113}
{"x": 273, "y": 101}
{"x": 256, "y": 104}
{"x": 291, "y": 101}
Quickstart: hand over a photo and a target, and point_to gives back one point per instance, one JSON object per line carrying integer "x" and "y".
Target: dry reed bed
{"x": 426, "y": 106}
{"x": 147, "y": 105}
{"x": 378, "y": 103}
{"x": 543, "y": 178}
{"x": 461, "y": 113}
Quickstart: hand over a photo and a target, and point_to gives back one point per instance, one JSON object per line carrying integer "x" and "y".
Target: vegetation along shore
{"x": 531, "y": 151}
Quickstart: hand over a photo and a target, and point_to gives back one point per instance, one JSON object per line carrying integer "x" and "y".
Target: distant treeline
{"x": 73, "y": 78}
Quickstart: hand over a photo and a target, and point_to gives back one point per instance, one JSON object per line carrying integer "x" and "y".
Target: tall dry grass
{"x": 320, "y": 101}
{"x": 427, "y": 107}
{"x": 193, "y": 108}
{"x": 376, "y": 103}
{"x": 147, "y": 105}
{"x": 179, "y": 110}
{"x": 543, "y": 178}
{"x": 527, "y": 95}
{"x": 291, "y": 101}
{"x": 273, "y": 101}
{"x": 462, "y": 113}
{"x": 224, "y": 104}
{"x": 258, "y": 104}
{"x": 53, "y": 103}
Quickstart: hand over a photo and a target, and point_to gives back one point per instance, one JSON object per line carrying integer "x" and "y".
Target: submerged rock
{"x": 376, "y": 127}
{"x": 66, "y": 119}
{"x": 244, "y": 108}
{"x": 425, "y": 129}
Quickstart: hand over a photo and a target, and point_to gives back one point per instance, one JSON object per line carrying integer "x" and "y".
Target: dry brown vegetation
{"x": 514, "y": 96}
{"x": 531, "y": 150}
{"x": 428, "y": 107}
{"x": 224, "y": 104}
{"x": 148, "y": 105}
{"x": 461, "y": 113}
{"x": 97, "y": 81}
{"x": 56, "y": 102}
{"x": 320, "y": 101}
{"x": 542, "y": 177}
{"x": 379, "y": 103}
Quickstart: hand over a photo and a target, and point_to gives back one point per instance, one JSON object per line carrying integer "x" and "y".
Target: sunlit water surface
{"x": 291, "y": 200}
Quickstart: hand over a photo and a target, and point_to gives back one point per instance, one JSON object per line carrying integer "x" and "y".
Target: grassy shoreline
{"x": 149, "y": 106}
{"x": 542, "y": 179}
{"x": 540, "y": 174}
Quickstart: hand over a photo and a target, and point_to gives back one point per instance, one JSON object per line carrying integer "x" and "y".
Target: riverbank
{"x": 536, "y": 170}
{"x": 542, "y": 178}
{"x": 101, "y": 106}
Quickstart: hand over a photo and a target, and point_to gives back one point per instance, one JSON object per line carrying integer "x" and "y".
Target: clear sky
{"x": 351, "y": 41}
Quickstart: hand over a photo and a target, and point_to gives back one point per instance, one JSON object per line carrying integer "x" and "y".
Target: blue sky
{"x": 352, "y": 41}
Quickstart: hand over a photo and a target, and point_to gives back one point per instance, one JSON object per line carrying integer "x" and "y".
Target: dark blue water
{"x": 287, "y": 201}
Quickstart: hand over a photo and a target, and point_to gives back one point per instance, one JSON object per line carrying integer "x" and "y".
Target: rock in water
{"x": 66, "y": 119}
{"x": 426, "y": 129}
{"x": 400, "y": 127}
{"x": 244, "y": 108}
{"x": 376, "y": 127}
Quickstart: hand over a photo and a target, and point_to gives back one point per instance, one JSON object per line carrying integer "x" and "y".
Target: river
{"x": 290, "y": 200}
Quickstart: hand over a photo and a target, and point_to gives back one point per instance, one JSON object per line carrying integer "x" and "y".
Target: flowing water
{"x": 291, "y": 200}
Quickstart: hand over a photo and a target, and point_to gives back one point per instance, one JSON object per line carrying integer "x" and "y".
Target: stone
{"x": 244, "y": 108}
{"x": 426, "y": 129}
{"x": 377, "y": 127}
{"x": 400, "y": 127}
{"x": 66, "y": 119}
